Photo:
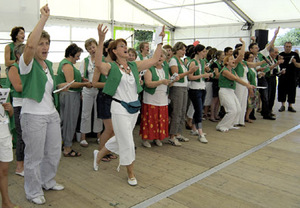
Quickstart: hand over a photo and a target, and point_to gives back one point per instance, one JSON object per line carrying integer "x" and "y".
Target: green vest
{"x": 61, "y": 77}
{"x": 259, "y": 55}
{"x": 12, "y": 54}
{"x": 224, "y": 82}
{"x": 156, "y": 78}
{"x": 180, "y": 70}
{"x": 13, "y": 92}
{"x": 197, "y": 72}
{"x": 114, "y": 78}
{"x": 34, "y": 82}
{"x": 251, "y": 77}
{"x": 239, "y": 69}
{"x": 140, "y": 56}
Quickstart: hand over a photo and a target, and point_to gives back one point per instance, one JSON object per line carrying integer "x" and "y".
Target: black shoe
{"x": 252, "y": 117}
{"x": 291, "y": 109}
{"x": 269, "y": 118}
{"x": 282, "y": 108}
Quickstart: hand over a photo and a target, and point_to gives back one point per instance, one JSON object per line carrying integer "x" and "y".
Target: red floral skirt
{"x": 154, "y": 122}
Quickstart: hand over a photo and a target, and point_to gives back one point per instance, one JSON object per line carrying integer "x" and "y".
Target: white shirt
{"x": 46, "y": 106}
{"x": 198, "y": 85}
{"x": 126, "y": 91}
{"x": 17, "y": 102}
{"x": 160, "y": 97}
{"x": 4, "y": 128}
{"x": 91, "y": 69}
{"x": 173, "y": 62}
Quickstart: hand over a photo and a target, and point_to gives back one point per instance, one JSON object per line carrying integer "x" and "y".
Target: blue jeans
{"x": 197, "y": 97}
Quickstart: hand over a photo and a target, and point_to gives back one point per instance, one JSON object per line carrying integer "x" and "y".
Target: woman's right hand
{"x": 165, "y": 81}
{"x": 102, "y": 32}
{"x": 45, "y": 11}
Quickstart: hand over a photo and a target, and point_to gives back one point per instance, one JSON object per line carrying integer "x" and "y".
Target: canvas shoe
{"x": 182, "y": 138}
{"x": 202, "y": 139}
{"x": 158, "y": 142}
{"x": 146, "y": 143}
{"x": 57, "y": 187}
{"x": 174, "y": 142}
{"x": 132, "y": 181}
{"x": 38, "y": 200}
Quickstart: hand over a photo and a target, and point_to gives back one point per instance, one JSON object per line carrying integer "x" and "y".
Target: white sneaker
{"x": 20, "y": 173}
{"x": 146, "y": 143}
{"x": 38, "y": 200}
{"x": 158, "y": 142}
{"x": 182, "y": 138}
{"x": 174, "y": 142}
{"x": 95, "y": 165}
{"x": 84, "y": 143}
{"x": 194, "y": 133}
{"x": 202, "y": 139}
{"x": 57, "y": 187}
{"x": 132, "y": 181}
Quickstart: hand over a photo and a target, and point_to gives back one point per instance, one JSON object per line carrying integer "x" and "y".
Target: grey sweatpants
{"x": 69, "y": 112}
{"x": 42, "y": 138}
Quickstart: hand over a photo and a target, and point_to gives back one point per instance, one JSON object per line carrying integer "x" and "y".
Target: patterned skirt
{"x": 154, "y": 122}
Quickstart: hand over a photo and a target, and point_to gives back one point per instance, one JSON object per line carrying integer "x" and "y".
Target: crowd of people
{"x": 178, "y": 85}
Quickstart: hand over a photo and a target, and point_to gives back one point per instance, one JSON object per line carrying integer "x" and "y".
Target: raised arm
{"x": 35, "y": 36}
{"x": 104, "y": 68}
{"x": 146, "y": 64}
{"x": 255, "y": 64}
{"x": 271, "y": 44}
{"x": 240, "y": 57}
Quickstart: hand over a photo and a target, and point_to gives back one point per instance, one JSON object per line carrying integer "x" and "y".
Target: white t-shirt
{"x": 17, "y": 102}
{"x": 91, "y": 69}
{"x": 4, "y": 120}
{"x": 160, "y": 97}
{"x": 126, "y": 91}
{"x": 197, "y": 85}
{"x": 46, "y": 106}
{"x": 173, "y": 62}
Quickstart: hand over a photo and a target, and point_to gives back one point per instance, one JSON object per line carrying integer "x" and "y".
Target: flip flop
{"x": 106, "y": 158}
{"x": 72, "y": 153}
{"x": 111, "y": 156}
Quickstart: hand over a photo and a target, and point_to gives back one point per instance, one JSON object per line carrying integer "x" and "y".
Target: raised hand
{"x": 276, "y": 31}
{"x": 102, "y": 32}
{"x": 241, "y": 40}
{"x": 162, "y": 34}
{"x": 45, "y": 11}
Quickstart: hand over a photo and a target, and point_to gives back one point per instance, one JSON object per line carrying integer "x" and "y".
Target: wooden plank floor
{"x": 268, "y": 177}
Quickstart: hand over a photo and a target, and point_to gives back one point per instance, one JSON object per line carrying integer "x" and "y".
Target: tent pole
{"x": 112, "y": 18}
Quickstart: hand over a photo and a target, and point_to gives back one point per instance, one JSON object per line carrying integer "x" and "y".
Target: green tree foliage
{"x": 142, "y": 36}
{"x": 293, "y": 36}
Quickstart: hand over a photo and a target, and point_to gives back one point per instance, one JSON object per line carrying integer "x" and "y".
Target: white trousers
{"x": 209, "y": 93}
{"x": 232, "y": 107}
{"x": 122, "y": 143}
{"x": 241, "y": 93}
{"x": 89, "y": 100}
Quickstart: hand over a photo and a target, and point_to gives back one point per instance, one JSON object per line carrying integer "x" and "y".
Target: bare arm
{"x": 7, "y": 60}
{"x": 104, "y": 68}
{"x": 69, "y": 75}
{"x": 96, "y": 77}
{"x": 15, "y": 79}
{"x": 271, "y": 44}
{"x": 255, "y": 64}
{"x": 35, "y": 36}
{"x": 240, "y": 57}
{"x": 193, "y": 68}
{"x": 146, "y": 64}
{"x": 236, "y": 78}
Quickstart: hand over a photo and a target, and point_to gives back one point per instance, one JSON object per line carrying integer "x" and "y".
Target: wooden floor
{"x": 269, "y": 177}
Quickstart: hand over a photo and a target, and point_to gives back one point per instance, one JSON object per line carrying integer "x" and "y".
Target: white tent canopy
{"x": 214, "y": 22}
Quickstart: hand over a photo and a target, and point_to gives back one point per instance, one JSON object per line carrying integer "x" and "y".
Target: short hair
{"x": 142, "y": 45}
{"x": 44, "y": 34}
{"x": 211, "y": 53}
{"x": 236, "y": 52}
{"x": 71, "y": 50}
{"x": 14, "y": 33}
{"x": 164, "y": 52}
{"x": 227, "y": 49}
{"x": 89, "y": 42}
{"x": 288, "y": 42}
{"x": 18, "y": 50}
{"x": 218, "y": 54}
{"x": 251, "y": 45}
{"x": 190, "y": 51}
{"x": 247, "y": 54}
{"x": 238, "y": 45}
{"x": 167, "y": 47}
{"x": 105, "y": 46}
{"x": 178, "y": 46}
{"x": 272, "y": 49}
{"x": 113, "y": 45}
{"x": 132, "y": 50}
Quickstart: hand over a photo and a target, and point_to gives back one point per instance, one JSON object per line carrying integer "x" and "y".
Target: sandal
{"x": 72, "y": 153}
{"x": 111, "y": 156}
{"x": 105, "y": 159}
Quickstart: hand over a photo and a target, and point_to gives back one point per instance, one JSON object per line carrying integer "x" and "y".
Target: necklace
{"x": 127, "y": 70}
